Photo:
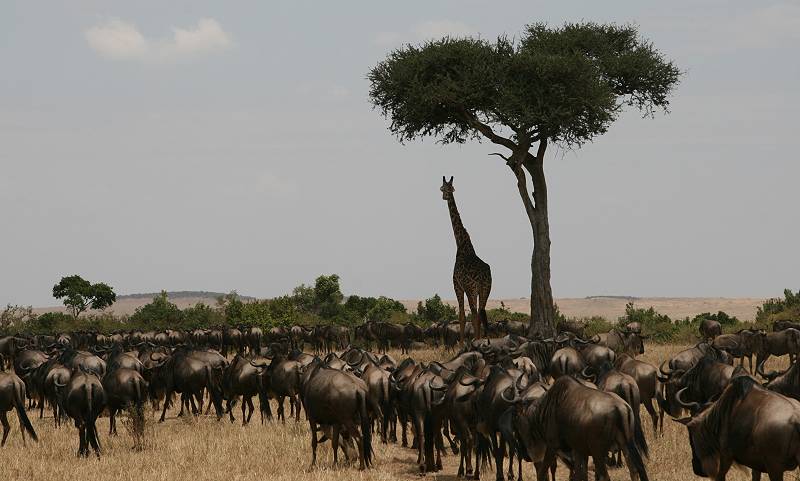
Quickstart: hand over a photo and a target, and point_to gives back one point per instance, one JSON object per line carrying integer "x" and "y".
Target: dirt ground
{"x": 204, "y": 449}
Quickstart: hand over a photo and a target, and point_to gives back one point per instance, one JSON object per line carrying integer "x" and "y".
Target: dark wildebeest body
{"x": 709, "y": 329}
{"x": 243, "y": 379}
{"x": 646, "y": 376}
{"x": 125, "y": 388}
{"x": 281, "y": 379}
{"x": 460, "y": 410}
{"x": 340, "y": 400}
{"x": 12, "y": 396}
{"x": 785, "y": 382}
{"x": 623, "y": 342}
{"x": 780, "y": 343}
{"x": 566, "y": 362}
{"x": 588, "y": 422}
{"x": 747, "y": 425}
{"x": 703, "y": 383}
{"x": 184, "y": 373}
{"x": 84, "y": 399}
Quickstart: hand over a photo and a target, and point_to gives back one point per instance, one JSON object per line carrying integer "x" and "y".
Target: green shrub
{"x": 596, "y": 325}
{"x": 776, "y": 309}
{"x": 433, "y": 310}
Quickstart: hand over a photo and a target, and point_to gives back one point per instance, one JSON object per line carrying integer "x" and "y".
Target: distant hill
{"x": 181, "y": 295}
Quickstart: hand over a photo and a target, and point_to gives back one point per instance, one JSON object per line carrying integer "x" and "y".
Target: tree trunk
{"x": 542, "y": 307}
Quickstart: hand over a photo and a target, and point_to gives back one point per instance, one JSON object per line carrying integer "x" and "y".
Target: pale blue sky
{"x": 230, "y": 145}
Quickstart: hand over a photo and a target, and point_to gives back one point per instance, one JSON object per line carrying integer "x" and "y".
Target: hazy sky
{"x": 191, "y": 145}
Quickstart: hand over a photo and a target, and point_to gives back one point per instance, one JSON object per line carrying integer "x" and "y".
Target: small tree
{"x": 562, "y": 86}
{"x": 79, "y": 294}
{"x": 159, "y": 313}
{"x": 434, "y": 310}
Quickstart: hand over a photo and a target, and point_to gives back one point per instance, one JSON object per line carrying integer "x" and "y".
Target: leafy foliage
{"x": 564, "y": 84}
{"x": 777, "y": 309}
{"x": 79, "y": 294}
{"x": 158, "y": 314}
{"x": 434, "y": 310}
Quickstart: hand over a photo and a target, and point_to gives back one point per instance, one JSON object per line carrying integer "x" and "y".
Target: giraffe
{"x": 471, "y": 276}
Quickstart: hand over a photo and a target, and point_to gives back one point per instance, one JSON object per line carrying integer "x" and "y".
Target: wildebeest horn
{"x": 587, "y": 372}
{"x": 518, "y": 383}
{"x": 664, "y": 375}
{"x": 472, "y": 382}
{"x": 691, "y": 406}
{"x": 768, "y": 376}
{"x": 437, "y": 388}
{"x": 511, "y": 400}
{"x": 262, "y": 364}
{"x": 360, "y": 359}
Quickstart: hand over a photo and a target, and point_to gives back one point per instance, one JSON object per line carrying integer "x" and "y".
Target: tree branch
{"x": 488, "y": 132}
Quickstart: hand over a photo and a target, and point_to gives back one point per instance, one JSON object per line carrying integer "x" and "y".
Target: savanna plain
{"x": 199, "y": 449}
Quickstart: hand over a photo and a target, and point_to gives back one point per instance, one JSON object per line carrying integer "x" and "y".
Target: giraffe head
{"x": 447, "y": 188}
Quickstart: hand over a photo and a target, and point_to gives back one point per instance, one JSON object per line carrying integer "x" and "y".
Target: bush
{"x": 158, "y": 314}
{"x": 434, "y": 310}
{"x": 596, "y": 325}
{"x": 503, "y": 313}
{"x": 776, "y": 309}
{"x": 658, "y": 326}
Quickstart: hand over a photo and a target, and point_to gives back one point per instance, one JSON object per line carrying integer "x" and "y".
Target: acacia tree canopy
{"x": 79, "y": 294}
{"x": 563, "y": 84}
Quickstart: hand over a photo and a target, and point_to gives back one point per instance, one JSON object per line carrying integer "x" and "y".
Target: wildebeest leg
{"x": 41, "y": 407}
{"x": 195, "y": 411}
{"x": 252, "y": 408}
{"x": 403, "y": 427}
{"x": 281, "y": 414}
{"x": 91, "y": 434}
{"x": 111, "y": 428}
{"x": 651, "y": 410}
{"x": 296, "y": 408}
{"x": 777, "y": 476}
{"x": 83, "y": 450}
{"x": 164, "y": 412}
{"x": 419, "y": 440}
{"x": 6, "y": 427}
{"x": 499, "y": 454}
{"x": 757, "y": 475}
{"x": 229, "y": 407}
{"x": 335, "y": 429}
{"x": 600, "y": 470}
{"x": 313, "y": 442}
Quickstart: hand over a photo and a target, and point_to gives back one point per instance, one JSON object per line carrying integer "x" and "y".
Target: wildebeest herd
{"x": 498, "y": 402}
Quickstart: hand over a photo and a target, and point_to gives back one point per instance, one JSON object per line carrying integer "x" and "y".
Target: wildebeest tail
{"x": 366, "y": 433}
{"x": 632, "y": 447}
{"x": 19, "y": 405}
{"x": 214, "y": 389}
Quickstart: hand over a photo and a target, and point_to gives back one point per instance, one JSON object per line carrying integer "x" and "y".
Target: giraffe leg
{"x": 483, "y": 296}
{"x": 472, "y": 298}
{"x": 461, "y": 316}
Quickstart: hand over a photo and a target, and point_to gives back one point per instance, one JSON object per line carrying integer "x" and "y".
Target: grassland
{"x": 204, "y": 449}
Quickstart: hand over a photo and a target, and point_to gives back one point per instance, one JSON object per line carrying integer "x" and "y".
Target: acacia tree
{"x": 79, "y": 294}
{"x": 554, "y": 86}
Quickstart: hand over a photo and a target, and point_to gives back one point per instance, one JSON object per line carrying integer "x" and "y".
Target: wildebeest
{"x": 184, "y": 373}
{"x": 124, "y": 388}
{"x": 281, "y": 379}
{"x": 12, "y": 396}
{"x": 608, "y": 379}
{"x": 340, "y": 400}
{"x": 703, "y": 382}
{"x": 746, "y": 343}
{"x": 747, "y": 425}
{"x": 709, "y": 329}
{"x": 780, "y": 343}
{"x": 566, "y": 362}
{"x": 622, "y": 341}
{"x": 84, "y": 399}
{"x": 243, "y": 379}
{"x": 782, "y": 325}
{"x": 587, "y": 422}
{"x": 786, "y": 382}
{"x": 646, "y": 376}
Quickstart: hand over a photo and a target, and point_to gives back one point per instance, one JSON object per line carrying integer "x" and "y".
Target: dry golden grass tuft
{"x": 204, "y": 449}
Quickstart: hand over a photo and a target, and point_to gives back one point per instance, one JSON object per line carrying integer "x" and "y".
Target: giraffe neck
{"x": 463, "y": 242}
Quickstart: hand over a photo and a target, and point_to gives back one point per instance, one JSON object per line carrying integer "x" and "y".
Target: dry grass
{"x": 204, "y": 449}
